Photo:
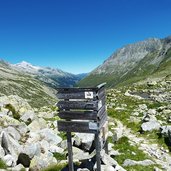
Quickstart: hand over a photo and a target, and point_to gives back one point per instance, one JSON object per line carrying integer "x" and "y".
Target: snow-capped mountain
{"x": 52, "y": 76}
{"x": 34, "y": 83}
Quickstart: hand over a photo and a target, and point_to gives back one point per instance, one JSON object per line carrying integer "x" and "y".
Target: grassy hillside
{"x": 25, "y": 86}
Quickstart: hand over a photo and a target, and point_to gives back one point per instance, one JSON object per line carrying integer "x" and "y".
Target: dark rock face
{"x": 24, "y": 160}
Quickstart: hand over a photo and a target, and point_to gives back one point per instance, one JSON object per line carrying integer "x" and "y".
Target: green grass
{"x": 57, "y": 167}
{"x": 140, "y": 168}
{"x": 127, "y": 151}
{"x": 59, "y": 156}
{"x": 155, "y": 137}
{"x": 2, "y": 165}
{"x": 131, "y": 152}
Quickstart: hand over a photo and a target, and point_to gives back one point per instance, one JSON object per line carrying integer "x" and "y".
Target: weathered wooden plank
{"x": 100, "y": 93}
{"x": 91, "y": 105}
{"x": 73, "y": 90}
{"x": 82, "y": 95}
{"x": 76, "y": 126}
{"x": 87, "y": 105}
{"x": 77, "y": 95}
{"x": 78, "y": 115}
{"x": 83, "y": 115}
{"x": 80, "y": 89}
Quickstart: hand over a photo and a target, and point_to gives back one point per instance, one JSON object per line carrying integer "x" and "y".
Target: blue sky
{"x": 77, "y": 35}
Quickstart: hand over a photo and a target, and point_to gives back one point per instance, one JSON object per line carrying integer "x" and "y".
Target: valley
{"x": 138, "y": 101}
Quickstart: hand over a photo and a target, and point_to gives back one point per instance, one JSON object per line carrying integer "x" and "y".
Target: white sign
{"x": 93, "y": 126}
{"x": 89, "y": 95}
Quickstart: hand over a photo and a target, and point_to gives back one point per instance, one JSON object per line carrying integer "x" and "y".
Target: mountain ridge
{"x": 140, "y": 59}
{"x": 36, "y": 84}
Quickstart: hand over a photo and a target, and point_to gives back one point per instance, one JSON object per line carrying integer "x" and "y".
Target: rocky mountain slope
{"x": 50, "y": 76}
{"x": 139, "y": 133}
{"x": 14, "y": 82}
{"x": 36, "y": 84}
{"x": 134, "y": 62}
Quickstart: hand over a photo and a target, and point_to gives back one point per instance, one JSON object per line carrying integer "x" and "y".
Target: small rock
{"x": 151, "y": 83}
{"x": 56, "y": 149}
{"x": 166, "y": 111}
{"x": 46, "y": 115}
{"x": 107, "y": 168}
{"x": 19, "y": 167}
{"x": 143, "y": 106}
{"x": 28, "y": 116}
{"x": 83, "y": 169}
{"x": 63, "y": 144}
{"x": 9, "y": 160}
{"x": 152, "y": 112}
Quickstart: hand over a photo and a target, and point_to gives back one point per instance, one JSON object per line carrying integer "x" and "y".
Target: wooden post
{"x": 69, "y": 144}
{"x": 97, "y": 144}
{"x": 106, "y": 147}
{"x": 70, "y": 154}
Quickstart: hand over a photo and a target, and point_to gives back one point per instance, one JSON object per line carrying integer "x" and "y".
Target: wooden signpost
{"x": 83, "y": 110}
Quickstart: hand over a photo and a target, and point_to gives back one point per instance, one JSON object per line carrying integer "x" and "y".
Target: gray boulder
{"x": 107, "y": 160}
{"x": 2, "y": 152}
{"x": 84, "y": 140}
{"x": 129, "y": 162}
{"x": 50, "y": 136}
{"x": 37, "y": 124}
{"x": 151, "y": 125}
{"x": 10, "y": 145}
{"x": 164, "y": 129}
{"x": 19, "y": 104}
{"x": 32, "y": 150}
{"x": 28, "y": 116}
{"x": 13, "y": 132}
{"x": 9, "y": 160}
{"x": 107, "y": 168}
{"x": 42, "y": 161}
{"x": 19, "y": 167}
{"x": 79, "y": 154}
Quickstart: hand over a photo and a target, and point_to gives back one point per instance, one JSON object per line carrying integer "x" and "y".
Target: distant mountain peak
{"x": 28, "y": 67}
